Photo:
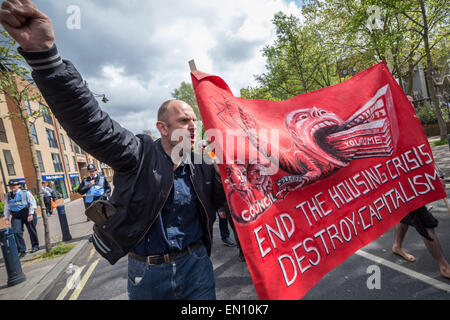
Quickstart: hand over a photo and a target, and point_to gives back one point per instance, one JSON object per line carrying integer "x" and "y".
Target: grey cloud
{"x": 151, "y": 41}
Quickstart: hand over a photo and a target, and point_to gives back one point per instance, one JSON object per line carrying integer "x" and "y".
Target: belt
{"x": 166, "y": 258}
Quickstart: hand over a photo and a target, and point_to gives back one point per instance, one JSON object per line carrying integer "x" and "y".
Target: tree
{"x": 186, "y": 93}
{"x": 408, "y": 33}
{"x": 18, "y": 91}
{"x": 333, "y": 40}
{"x": 299, "y": 61}
{"x": 430, "y": 20}
{"x": 150, "y": 134}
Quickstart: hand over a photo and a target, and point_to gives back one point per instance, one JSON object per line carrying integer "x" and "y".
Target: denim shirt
{"x": 178, "y": 225}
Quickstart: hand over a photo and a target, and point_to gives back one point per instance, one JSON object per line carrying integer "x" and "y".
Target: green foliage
{"x": 426, "y": 114}
{"x": 10, "y": 59}
{"x": 2, "y": 209}
{"x": 15, "y": 81}
{"x": 257, "y": 93}
{"x": 186, "y": 93}
{"x": 299, "y": 61}
{"x": 58, "y": 250}
{"x": 439, "y": 143}
{"x": 37, "y": 200}
{"x": 332, "y": 41}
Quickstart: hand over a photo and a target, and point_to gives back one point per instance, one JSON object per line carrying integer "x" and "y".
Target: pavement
{"x": 43, "y": 274}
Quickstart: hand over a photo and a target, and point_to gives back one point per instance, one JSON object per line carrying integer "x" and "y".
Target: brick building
{"x": 60, "y": 159}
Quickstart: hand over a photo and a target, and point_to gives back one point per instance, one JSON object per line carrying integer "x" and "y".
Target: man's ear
{"x": 162, "y": 128}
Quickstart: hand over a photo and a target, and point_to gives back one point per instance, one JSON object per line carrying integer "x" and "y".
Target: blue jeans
{"x": 188, "y": 278}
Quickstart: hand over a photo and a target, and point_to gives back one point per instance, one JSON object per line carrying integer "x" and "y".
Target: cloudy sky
{"x": 137, "y": 52}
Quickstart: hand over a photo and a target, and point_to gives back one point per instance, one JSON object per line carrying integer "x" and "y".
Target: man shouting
{"x": 164, "y": 205}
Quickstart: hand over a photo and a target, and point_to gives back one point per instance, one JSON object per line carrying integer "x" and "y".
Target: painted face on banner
{"x": 240, "y": 177}
{"x": 305, "y": 124}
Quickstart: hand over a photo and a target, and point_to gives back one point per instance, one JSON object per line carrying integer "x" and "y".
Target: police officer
{"x": 94, "y": 187}
{"x": 21, "y": 205}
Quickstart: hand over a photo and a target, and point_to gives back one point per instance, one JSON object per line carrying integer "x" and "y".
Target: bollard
{"x": 63, "y": 222}
{"x": 11, "y": 257}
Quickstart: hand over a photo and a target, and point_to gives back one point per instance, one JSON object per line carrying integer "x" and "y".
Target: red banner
{"x": 312, "y": 179}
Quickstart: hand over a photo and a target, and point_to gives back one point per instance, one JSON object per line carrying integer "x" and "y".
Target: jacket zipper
{"x": 206, "y": 212}
{"x": 159, "y": 212}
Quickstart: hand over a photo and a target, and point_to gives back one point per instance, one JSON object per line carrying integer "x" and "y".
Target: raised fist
{"x": 27, "y": 25}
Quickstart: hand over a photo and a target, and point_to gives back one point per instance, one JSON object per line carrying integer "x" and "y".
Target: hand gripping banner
{"x": 313, "y": 179}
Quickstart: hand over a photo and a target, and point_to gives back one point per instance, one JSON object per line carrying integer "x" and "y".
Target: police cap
{"x": 91, "y": 167}
{"x": 14, "y": 183}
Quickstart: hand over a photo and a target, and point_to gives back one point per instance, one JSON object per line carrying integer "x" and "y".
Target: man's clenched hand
{"x": 27, "y": 25}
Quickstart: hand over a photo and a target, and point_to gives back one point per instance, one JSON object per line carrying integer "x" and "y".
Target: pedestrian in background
{"x": 225, "y": 232}
{"x": 21, "y": 205}
{"x": 424, "y": 222}
{"x": 225, "y": 213}
{"x": 49, "y": 195}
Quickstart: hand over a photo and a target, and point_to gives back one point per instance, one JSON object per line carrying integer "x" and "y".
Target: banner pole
{"x": 192, "y": 65}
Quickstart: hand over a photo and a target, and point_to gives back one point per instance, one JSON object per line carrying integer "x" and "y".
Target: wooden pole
{"x": 192, "y": 65}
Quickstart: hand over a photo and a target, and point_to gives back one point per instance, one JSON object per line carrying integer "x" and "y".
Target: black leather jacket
{"x": 143, "y": 174}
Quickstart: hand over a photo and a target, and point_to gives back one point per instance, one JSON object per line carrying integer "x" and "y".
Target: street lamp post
{"x": 96, "y": 95}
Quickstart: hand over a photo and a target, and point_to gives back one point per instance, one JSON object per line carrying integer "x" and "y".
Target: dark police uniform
{"x": 100, "y": 190}
{"x": 20, "y": 205}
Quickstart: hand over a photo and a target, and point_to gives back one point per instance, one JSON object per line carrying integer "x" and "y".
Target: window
{"x": 51, "y": 138}
{"x": 75, "y": 182}
{"x": 77, "y": 149}
{"x": 33, "y": 133}
{"x": 67, "y": 162}
{"x": 39, "y": 159}
{"x": 57, "y": 162}
{"x": 28, "y": 106}
{"x": 46, "y": 114}
{"x": 75, "y": 164}
{"x": 9, "y": 162}
{"x": 60, "y": 187}
{"x": 3, "y": 137}
{"x": 62, "y": 141}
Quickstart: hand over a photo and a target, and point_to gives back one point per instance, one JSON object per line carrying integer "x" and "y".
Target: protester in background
{"x": 425, "y": 223}
{"x": 21, "y": 205}
{"x": 411, "y": 100}
{"x": 225, "y": 213}
{"x": 225, "y": 232}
